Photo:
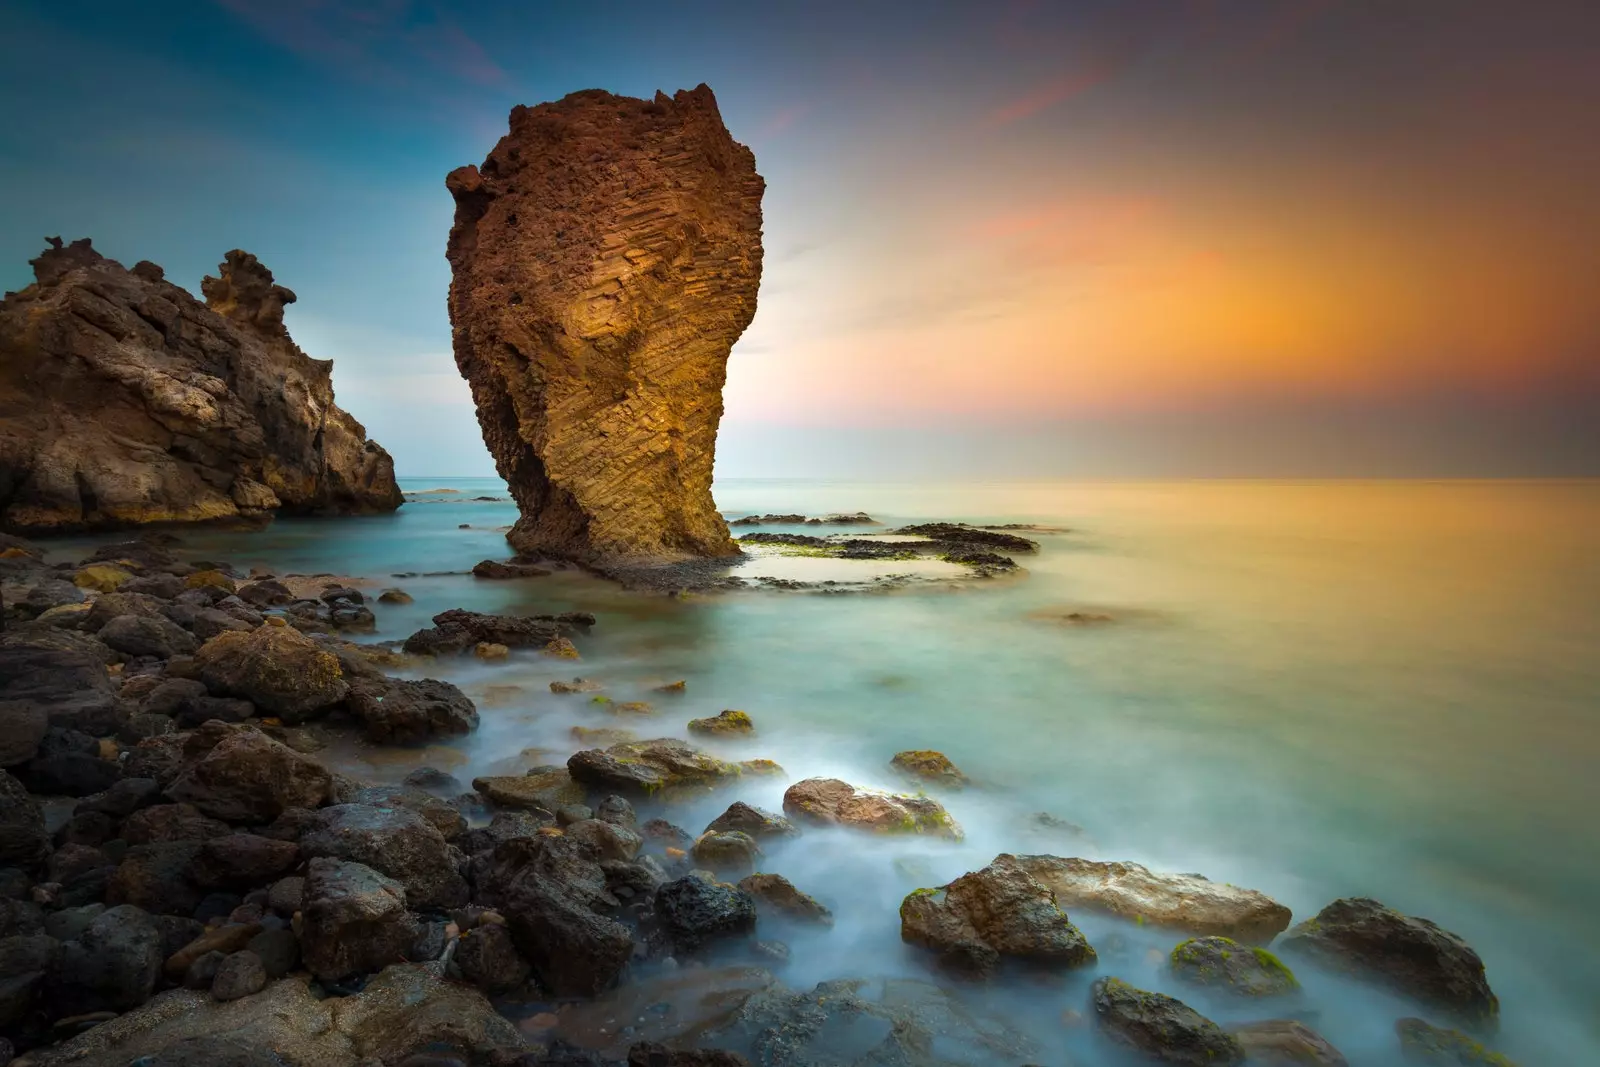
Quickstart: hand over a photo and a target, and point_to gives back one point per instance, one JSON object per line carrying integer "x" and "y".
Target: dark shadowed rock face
{"x": 605, "y": 259}
{"x": 124, "y": 400}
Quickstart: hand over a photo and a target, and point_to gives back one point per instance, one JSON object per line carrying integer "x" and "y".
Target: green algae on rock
{"x": 831, "y": 802}
{"x": 1223, "y": 964}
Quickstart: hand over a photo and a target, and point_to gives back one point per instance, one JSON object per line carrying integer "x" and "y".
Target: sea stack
{"x": 126, "y": 401}
{"x": 605, "y": 258}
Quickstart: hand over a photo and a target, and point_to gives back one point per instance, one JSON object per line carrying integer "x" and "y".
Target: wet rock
{"x": 987, "y": 916}
{"x": 113, "y": 966}
{"x": 644, "y": 768}
{"x": 497, "y": 569}
{"x": 156, "y": 878}
{"x": 143, "y": 725}
{"x": 1415, "y": 956}
{"x": 71, "y": 774}
{"x": 395, "y": 842}
{"x": 694, "y": 913}
{"x": 268, "y": 593}
{"x": 1422, "y": 1043}
{"x": 278, "y": 950}
{"x": 609, "y": 841}
{"x": 865, "y": 1023}
{"x": 726, "y": 723}
{"x": 1160, "y": 1027}
{"x": 1186, "y": 902}
{"x": 71, "y": 861}
{"x": 24, "y": 963}
{"x": 354, "y": 919}
{"x": 776, "y": 895}
{"x": 276, "y": 668}
{"x": 662, "y": 833}
{"x": 1222, "y": 964}
{"x": 397, "y": 711}
{"x": 489, "y": 959}
{"x": 285, "y": 895}
{"x": 929, "y": 766}
{"x": 407, "y": 1015}
{"x": 243, "y": 861}
{"x": 222, "y": 940}
{"x": 1286, "y": 1043}
{"x": 157, "y": 758}
{"x": 203, "y": 971}
{"x": 252, "y": 415}
{"x": 435, "y": 780}
{"x": 553, "y": 892}
{"x": 133, "y": 635}
{"x": 577, "y": 685}
{"x": 250, "y": 778}
{"x": 552, "y": 219}
{"x": 171, "y": 822}
{"x": 23, "y": 835}
{"x": 239, "y": 975}
{"x": 22, "y": 727}
{"x": 70, "y": 686}
{"x": 395, "y": 596}
{"x": 962, "y": 534}
{"x": 830, "y": 802}
{"x": 445, "y": 817}
{"x": 726, "y": 850}
{"x": 456, "y": 631}
{"x": 20, "y": 918}
{"x": 617, "y": 811}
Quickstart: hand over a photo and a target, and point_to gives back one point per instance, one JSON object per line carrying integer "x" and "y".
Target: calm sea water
{"x": 1388, "y": 689}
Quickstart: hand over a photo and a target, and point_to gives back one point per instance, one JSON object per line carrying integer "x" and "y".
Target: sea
{"x": 1387, "y": 689}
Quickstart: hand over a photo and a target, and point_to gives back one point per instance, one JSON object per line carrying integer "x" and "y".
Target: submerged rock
{"x": 1186, "y": 902}
{"x": 1422, "y": 1043}
{"x": 984, "y": 917}
{"x": 757, "y": 822}
{"x": 1286, "y": 1043}
{"x": 727, "y": 722}
{"x": 1414, "y": 956}
{"x": 547, "y": 792}
{"x": 830, "y": 802}
{"x": 456, "y": 631}
{"x": 604, "y": 260}
{"x": 929, "y": 766}
{"x": 1161, "y": 1027}
{"x": 131, "y": 402}
{"x": 647, "y": 767}
{"x": 1223, "y": 964}
{"x": 778, "y": 896}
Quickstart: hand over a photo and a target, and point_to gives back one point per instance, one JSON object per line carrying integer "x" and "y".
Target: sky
{"x": 1004, "y": 240}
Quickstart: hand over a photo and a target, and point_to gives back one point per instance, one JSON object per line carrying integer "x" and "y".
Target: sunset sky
{"x": 1113, "y": 238}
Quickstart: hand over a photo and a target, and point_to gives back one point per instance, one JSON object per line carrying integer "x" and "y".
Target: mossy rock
{"x": 101, "y": 577}
{"x": 926, "y": 765}
{"x": 212, "y": 579}
{"x": 1423, "y": 1043}
{"x": 561, "y": 648}
{"x": 729, "y": 722}
{"x": 1223, "y": 964}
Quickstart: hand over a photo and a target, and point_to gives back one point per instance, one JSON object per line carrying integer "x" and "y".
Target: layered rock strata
{"x": 605, "y": 257}
{"x": 125, "y": 401}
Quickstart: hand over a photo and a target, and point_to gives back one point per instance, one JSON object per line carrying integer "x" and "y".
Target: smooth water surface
{"x": 1389, "y": 689}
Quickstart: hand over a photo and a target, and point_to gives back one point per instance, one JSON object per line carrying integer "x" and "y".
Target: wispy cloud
{"x": 373, "y": 40}
{"x": 1119, "y": 46}
{"x": 783, "y": 119}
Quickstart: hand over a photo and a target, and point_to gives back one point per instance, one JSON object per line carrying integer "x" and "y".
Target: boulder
{"x": 695, "y": 912}
{"x": 278, "y": 950}
{"x": 1286, "y": 1043}
{"x": 131, "y": 402}
{"x": 1422, "y": 1043}
{"x": 71, "y": 774}
{"x": 553, "y": 892}
{"x": 267, "y": 593}
{"x": 1224, "y": 965}
{"x": 410, "y": 712}
{"x": 726, "y": 723}
{"x": 409, "y": 1014}
{"x": 609, "y": 841}
{"x": 830, "y": 802}
{"x": 354, "y": 920}
{"x": 218, "y": 940}
{"x": 775, "y": 895}
{"x": 1159, "y": 1027}
{"x": 278, "y": 669}
{"x": 548, "y": 791}
{"x": 135, "y": 635}
{"x": 71, "y": 686}
{"x": 23, "y": 838}
{"x": 125, "y": 797}
{"x": 503, "y": 569}
{"x": 489, "y": 959}
{"x": 22, "y": 727}
{"x": 595, "y": 335}
{"x": 250, "y": 778}
{"x": 726, "y": 850}
{"x": 1185, "y": 902}
{"x": 156, "y": 878}
{"x": 239, "y": 975}
{"x": 456, "y": 631}
{"x": 25, "y": 961}
{"x": 162, "y": 823}
{"x": 445, "y": 817}
{"x": 645, "y": 768}
{"x": 995, "y": 914}
{"x": 617, "y": 811}
{"x": 926, "y": 765}
{"x": 243, "y": 861}
{"x": 395, "y": 842}
{"x": 113, "y": 966}
{"x": 1415, "y": 956}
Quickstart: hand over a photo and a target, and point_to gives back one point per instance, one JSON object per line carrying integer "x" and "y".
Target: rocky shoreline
{"x": 184, "y": 880}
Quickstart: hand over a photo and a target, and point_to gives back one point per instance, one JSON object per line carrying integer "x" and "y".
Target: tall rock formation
{"x": 124, "y": 400}
{"x": 605, "y": 259}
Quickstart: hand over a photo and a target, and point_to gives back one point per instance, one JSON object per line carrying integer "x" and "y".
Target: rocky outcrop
{"x": 605, "y": 258}
{"x": 124, "y": 400}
